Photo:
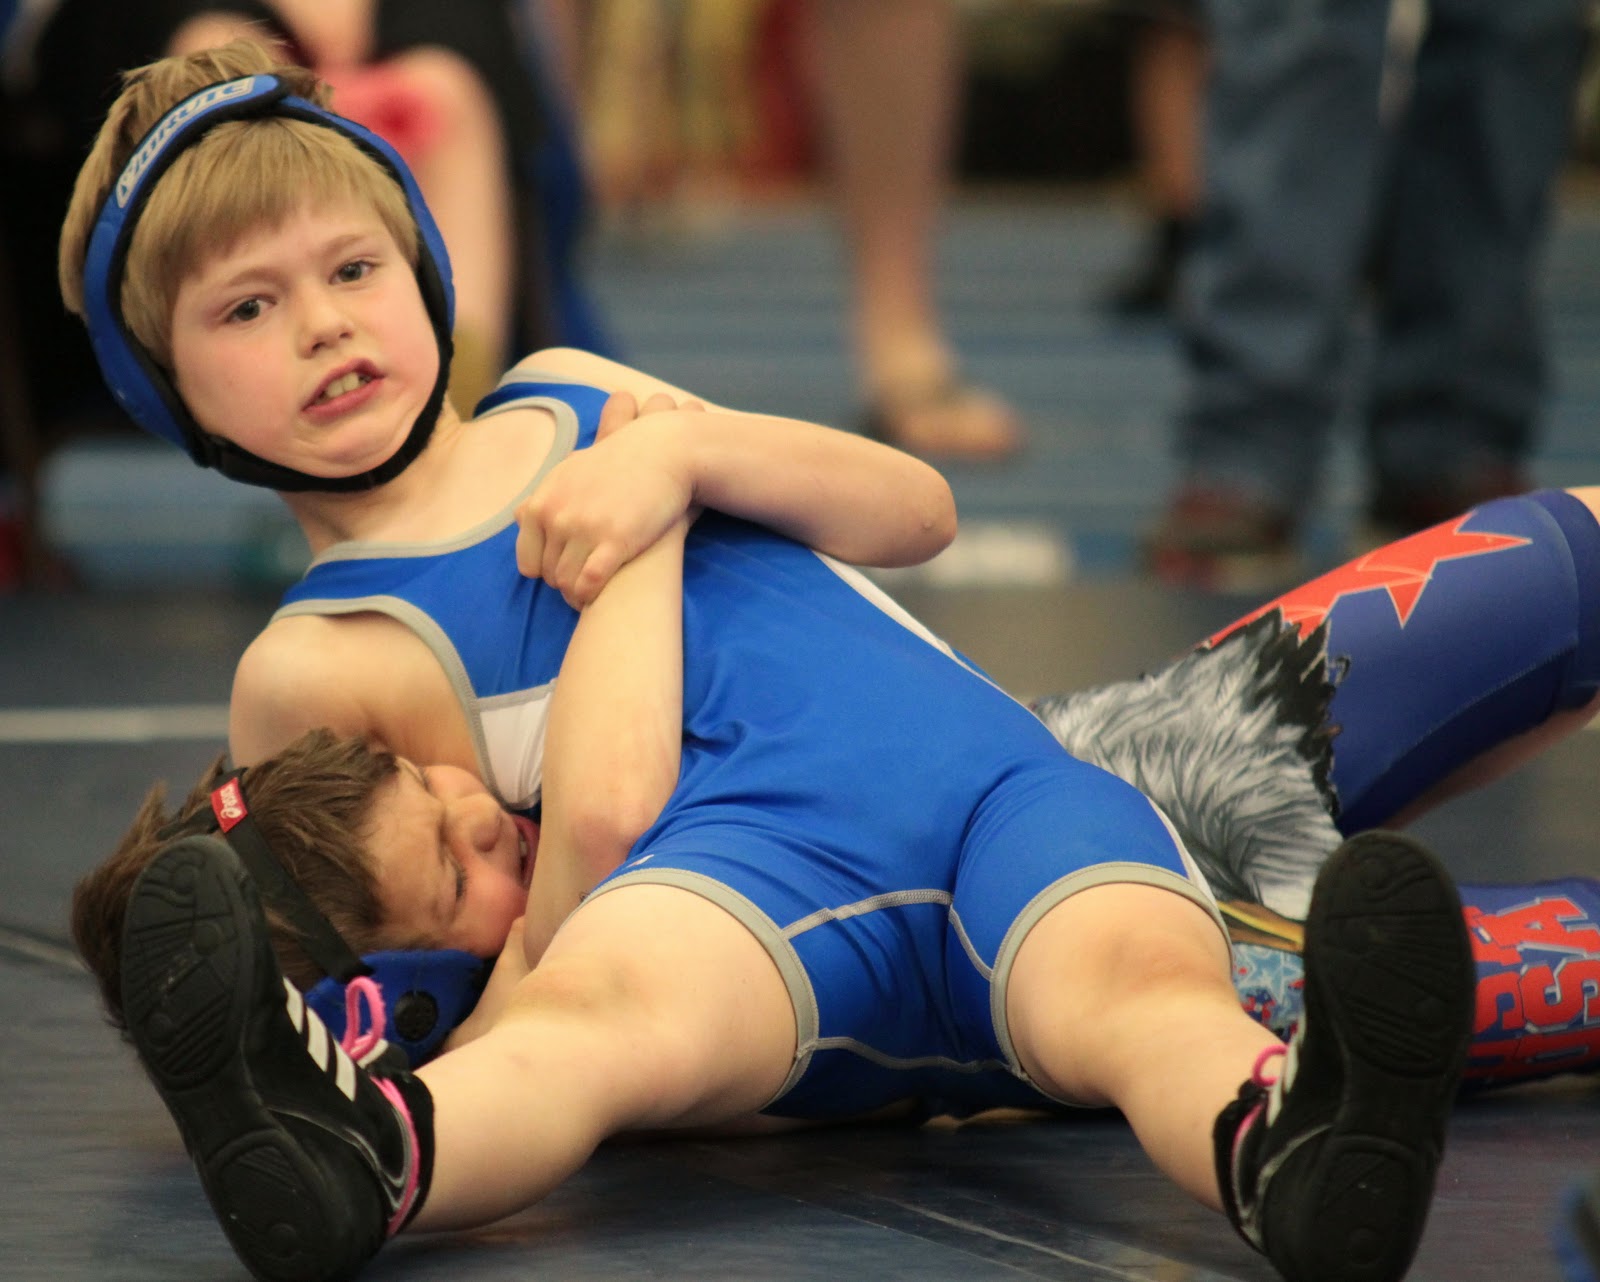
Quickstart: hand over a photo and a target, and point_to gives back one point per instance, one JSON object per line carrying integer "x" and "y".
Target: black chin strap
{"x": 230, "y": 816}
{"x": 241, "y": 465}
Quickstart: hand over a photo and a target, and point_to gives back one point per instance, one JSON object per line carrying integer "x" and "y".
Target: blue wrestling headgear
{"x": 427, "y": 992}
{"x": 141, "y": 387}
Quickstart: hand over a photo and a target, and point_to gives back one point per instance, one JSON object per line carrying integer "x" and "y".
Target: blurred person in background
{"x": 465, "y": 91}
{"x": 674, "y": 95}
{"x": 1310, "y": 194}
{"x": 1166, "y": 90}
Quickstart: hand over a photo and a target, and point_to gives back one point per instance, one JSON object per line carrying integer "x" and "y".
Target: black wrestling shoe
{"x": 1329, "y": 1169}
{"x": 1215, "y": 540}
{"x": 310, "y": 1162}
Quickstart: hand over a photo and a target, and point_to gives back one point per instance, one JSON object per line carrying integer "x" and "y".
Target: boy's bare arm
{"x": 839, "y": 493}
{"x": 612, "y": 750}
{"x": 358, "y": 674}
{"x": 844, "y": 495}
{"x": 614, "y": 738}
{"x": 285, "y": 684}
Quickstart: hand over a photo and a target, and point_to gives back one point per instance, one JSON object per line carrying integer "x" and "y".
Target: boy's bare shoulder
{"x": 301, "y": 649}
{"x": 596, "y": 371}
{"x": 353, "y": 674}
{"x": 298, "y": 674}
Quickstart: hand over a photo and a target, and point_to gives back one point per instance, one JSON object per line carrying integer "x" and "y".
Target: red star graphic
{"x": 1402, "y": 569}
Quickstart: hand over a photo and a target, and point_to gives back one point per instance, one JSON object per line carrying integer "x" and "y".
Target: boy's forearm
{"x": 614, "y": 738}
{"x": 842, "y": 494}
{"x": 839, "y": 493}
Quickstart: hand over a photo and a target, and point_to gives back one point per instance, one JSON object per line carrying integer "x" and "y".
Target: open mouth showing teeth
{"x": 527, "y": 848}
{"x": 340, "y": 386}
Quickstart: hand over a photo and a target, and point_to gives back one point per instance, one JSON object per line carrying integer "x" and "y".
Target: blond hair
{"x": 243, "y": 176}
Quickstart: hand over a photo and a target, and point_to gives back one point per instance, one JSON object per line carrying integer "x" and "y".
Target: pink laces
{"x": 365, "y": 992}
{"x": 1258, "y": 1073}
{"x": 361, "y": 991}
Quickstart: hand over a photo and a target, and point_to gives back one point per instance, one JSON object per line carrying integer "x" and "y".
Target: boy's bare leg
{"x": 1325, "y": 1160}
{"x": 1122, "y": 995}
{"x": 652, "y": 1008}
{"x": 657, "y": 1010}
{"x": 887, "y": 85}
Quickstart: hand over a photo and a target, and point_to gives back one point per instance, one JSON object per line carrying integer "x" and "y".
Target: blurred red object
{"x": 386, "y": 102}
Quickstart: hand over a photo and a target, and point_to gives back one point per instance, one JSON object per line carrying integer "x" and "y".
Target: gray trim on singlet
{"x": 902, "y": 1064}
{"x": 857, "y": 581}
{"x": 978, "y": 964}
{"x": 561, "y": 445}
{"x": 520, "y": 373}
{"x": 894, "y": 899}
{"x": 431, "y": 635}
{"x": 1116, "y": 872}
{"x": 807, "y": 1018}
{"x": 802, "y": 995}
{"x": 421, "y": 624}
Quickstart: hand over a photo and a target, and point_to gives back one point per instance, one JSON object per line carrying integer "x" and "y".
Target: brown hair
{"x": 313, "y": 803}
{"x": 241, "y": 177}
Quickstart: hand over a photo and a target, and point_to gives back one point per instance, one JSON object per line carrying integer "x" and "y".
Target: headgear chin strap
{"x": 427, "y": 992}
{"x": 140, "y": 385}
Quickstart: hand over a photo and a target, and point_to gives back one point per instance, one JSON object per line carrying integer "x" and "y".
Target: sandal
{"x": 951, "y": 419}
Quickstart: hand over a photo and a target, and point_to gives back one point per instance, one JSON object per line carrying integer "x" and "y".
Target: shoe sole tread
{"x": 1390, "y": 981}
{"x": 188, "y": 983}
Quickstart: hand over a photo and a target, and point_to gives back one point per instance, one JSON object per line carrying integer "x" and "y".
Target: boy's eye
{"x": 246, "y": 311}
{"x": 353, "y": 271}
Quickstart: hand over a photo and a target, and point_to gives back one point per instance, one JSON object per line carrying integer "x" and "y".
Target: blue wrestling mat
{"x": 95, "y": 1186}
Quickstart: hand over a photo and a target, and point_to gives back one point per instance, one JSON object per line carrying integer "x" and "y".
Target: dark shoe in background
{"x": 1147, "y": 290}
{"x": 1219, "y": 541}
{"x": 1397, "y": 510}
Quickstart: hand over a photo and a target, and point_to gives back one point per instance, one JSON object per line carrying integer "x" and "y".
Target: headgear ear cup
{"x": 142, "y": 387}
{"x": 426, "y": 994}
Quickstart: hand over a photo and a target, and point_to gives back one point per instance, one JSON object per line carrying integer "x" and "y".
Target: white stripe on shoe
{"x": 296, "y": 1005}
{"x": 324, "y": 1051}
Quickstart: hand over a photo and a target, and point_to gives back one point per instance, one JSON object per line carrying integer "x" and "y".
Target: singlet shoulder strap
{"x": 585, "y": 401}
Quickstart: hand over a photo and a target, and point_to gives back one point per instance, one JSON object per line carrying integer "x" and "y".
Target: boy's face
{"x": 453, "y": 867}
{"x": 307, "y": 344}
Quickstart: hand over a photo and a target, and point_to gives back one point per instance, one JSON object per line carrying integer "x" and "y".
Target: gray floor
{"x": 103, "y": 691}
